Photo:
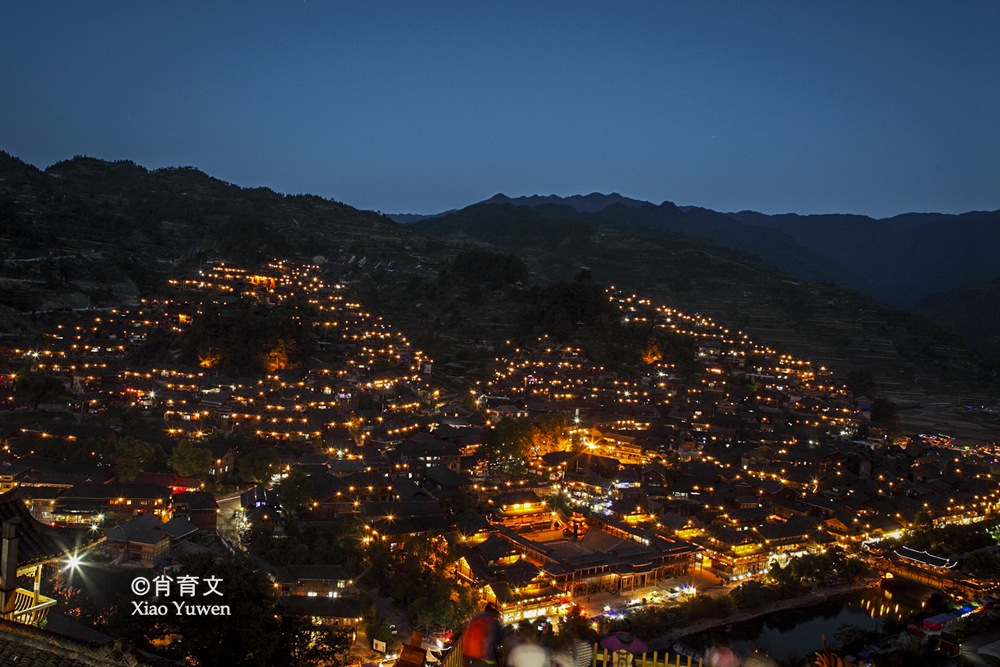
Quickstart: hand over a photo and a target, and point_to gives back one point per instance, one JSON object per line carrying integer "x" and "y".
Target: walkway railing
{"x": 604, "y": 658}
{"x": 25, "y": 610}
{"x": 607, "y": 659}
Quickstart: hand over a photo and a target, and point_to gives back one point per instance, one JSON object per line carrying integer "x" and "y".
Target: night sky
{"x": 810, "y": 107}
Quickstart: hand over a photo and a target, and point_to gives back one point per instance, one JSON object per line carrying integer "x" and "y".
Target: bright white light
{"x": 73, "y": 562}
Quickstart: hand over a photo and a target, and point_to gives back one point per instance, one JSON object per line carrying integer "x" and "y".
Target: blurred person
{"x": 547, "y": 637}
{"x": 583, "y": 652}
{"x": 529, "y": 654}
{"x": 561, "y": 648}
{"x": 721, "y": 656}
{"x": 482, "y": 635}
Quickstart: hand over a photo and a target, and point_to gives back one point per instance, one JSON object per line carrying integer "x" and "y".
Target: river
{"x": 795, "y": 633}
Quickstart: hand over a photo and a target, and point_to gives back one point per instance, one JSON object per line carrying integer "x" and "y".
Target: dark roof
{"x": 69, "y": 474}
{"x": 159, "y": 478}
{"x": 64, "y": 625}
{"x": 327, "y": 486}
{"x": 446, "y": 477}
{"x": 673, "y": 521}
{"x": 471, "y": 523}
{"x": 178, "y": 527}
{"x": 27, "y": 645}
{"x": 924, "y": 558}
{"x": 346, "y": 465}
{"x": 423, "y": 445}
{"x": 362, "y": 480}
{"x": 555, "y": 458}
{"x": 38, "y": 543}
{"x": 133, "y": 490}
{"x": 516, "y": 497}
{"x": 521, "y": 573}
{"x": 407, "y": 489}
{"x": 410, "y": 525}
{"x": 494, "y": 548}
{"x": 196, "y": 500}
{"x": 730, "y": 537}
{"x": 797, "y": 526}
{"x": 401, "y": 508}
{"x": 149, "y": 529}
{"x": 480, "y": 570}
{"x": 257, "y": 495}
{"x": 321, "y": 572}
{"x": 303, "y": 605}
{"x": 138, "y": 535}
{"x": 600, "y": 541}
{"x": 41, "y": 492}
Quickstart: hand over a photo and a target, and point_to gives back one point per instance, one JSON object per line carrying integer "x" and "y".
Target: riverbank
{"x": 667, "y": 640}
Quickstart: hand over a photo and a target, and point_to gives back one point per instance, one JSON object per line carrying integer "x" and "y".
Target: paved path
{"x": 971, "y": 646}
{"x": 593, "y": 604}
{"x": 395, "y": 617}
{"x": 228, "y": 521}
{"x": 667, "y": 640}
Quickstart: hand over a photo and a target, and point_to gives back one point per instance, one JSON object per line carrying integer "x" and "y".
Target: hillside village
{"x": 547, "y": 478}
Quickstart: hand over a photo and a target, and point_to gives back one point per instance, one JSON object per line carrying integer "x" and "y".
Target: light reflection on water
{"x": 796, "y": 632}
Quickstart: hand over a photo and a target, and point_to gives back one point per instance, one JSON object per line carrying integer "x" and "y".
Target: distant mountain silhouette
{"x": 900, "y": 260}
{"x": 591, "y": 203}
{"x": 971, "y": 312}
{"x": 138, "y": 220}
{"x": 138, "y": 216}
{"x": 635, "y": 247}
{"x": 410, "y": 218}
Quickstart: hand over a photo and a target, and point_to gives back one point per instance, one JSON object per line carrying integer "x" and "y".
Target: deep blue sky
{"x": 811, "y": 107}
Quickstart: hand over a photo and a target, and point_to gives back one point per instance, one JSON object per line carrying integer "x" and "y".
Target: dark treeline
{"x": 252, "y": 340}
{"x": 482, "y": 266}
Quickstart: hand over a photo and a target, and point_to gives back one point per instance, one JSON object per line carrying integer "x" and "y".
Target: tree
{"x": 487, "y": 267}
{"x": 861, "y": 381}
{"x": 376, "y": 625}
{"x": 576, "y": 625}
{"x": 130, "y": 455}
{"x": 251, "y": 634}
{"x": 506, "y": 444}
{"x": 983, "y": 562}
{"x": 191, "y": 461}
{"x": 259, "y": 466}
{"x": 652, "y": 352}
{"x": 295, "y": 492}
{"x": 278, "y": 354}
{"x": 750, "y": 594}
{"x": 456, "y": 502}
{"x": 850, "y": 638}
{"x": 548, "y": 433}
{"x": 413, "y": 576}
{"x": 36, "y": 388}
{"x": 886, "y": 413}
{"x": 303, "y": 644}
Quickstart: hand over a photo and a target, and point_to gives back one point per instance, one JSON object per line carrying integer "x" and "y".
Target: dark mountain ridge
{"x": 591, "y": 203}
{"x": 836, "y": 327}
{"x": 902, "y": 260}
{"x": 85, "y": 204}
{"x": 120, "y": 223}
{"x": 900, "y": 264}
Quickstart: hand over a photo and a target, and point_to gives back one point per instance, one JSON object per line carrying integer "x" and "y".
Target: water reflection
{"x": 796, "y": 633}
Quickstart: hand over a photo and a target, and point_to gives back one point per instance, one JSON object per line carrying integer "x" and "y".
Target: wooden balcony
{"x": 26, "y": 611}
